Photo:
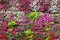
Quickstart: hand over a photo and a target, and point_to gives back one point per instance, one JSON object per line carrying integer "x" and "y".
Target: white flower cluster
{"x": 54, "y": 7}
{"x": 34, "y": 6}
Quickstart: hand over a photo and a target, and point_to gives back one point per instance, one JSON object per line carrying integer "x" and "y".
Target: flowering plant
{"x": 29, "y": 20}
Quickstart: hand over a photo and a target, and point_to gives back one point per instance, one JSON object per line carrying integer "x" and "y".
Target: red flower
{"x": 3, "y": 37}
{"x": 44, "y": 7}
{"x": 5, "y": 24}
{"x": 2, "y": 6}
{"x": 23, "y": 5}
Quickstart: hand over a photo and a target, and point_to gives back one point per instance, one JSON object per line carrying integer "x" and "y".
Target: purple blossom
{"x": 45, "y": 18}
{"x": 53, "y": 27}
{"x": 1, "y": 16}
{"x": 44, "y": 5}
{"x": 17, "y": 29}
{"x": 24, "y": 5}
{"x": 38, "y": 30}
{"x": 10, "y": 16}
{"x": 25, "y": 21}
{"x": 2, "y": 6}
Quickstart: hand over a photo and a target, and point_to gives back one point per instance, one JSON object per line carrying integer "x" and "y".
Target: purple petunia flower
{"x": 17, "y": 30}
{"x": 10, "y": 16}
{"x": 2, "y": 6}
{"x": 23, "y": 5}
{"x": 24, "y": 21}
{"x": 45, "y": 18}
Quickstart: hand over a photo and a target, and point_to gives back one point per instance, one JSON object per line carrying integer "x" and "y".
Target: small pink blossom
{"x": 2, "y": 6}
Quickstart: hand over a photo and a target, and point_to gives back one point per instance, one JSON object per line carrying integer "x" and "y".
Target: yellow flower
{"x": 34, "y": 15}
{"x": 12, "y": 23}
{"x": 48, "y": 28}
{"x": 28, "y": 31}
{"x": 10, "y": 29}
{"x": 51, "y": 22}
{"x": 30, "y": 36}
{"x": 47, "y": 38}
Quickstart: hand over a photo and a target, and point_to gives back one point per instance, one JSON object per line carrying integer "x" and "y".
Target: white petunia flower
{"x": 53, "y": 9}
{"x": 34, "y": 6}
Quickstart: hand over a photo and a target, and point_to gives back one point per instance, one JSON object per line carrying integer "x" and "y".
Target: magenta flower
{"x": 53, "y": 27}
{"x": 10, "y": 16}
{"x": 45, "y": 7}
{"x": 17, "y": 30}
{"x": 5, "y": 24}
{"x": 25, "y": 21}
{"x": 24, "y": 5}
{"x": 46, "y": 18}
{"x": 4, "y": 29}
{"x": 1, "y": 16}
{"x": 2, "y": 6}
{"x": 59, "y": 29}
{"x": 25, "y": 9}
{"x": 38, "y": 30}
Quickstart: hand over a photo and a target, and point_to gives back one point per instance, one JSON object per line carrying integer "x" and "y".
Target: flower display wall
{"x": 29, "y": 19}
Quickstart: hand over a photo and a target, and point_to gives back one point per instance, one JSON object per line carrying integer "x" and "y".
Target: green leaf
{"x": 12, "y": 23}
{"x": 34, "y": 15}
{"x": 48, "y": 28}
{"x": 28, "y": 31}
